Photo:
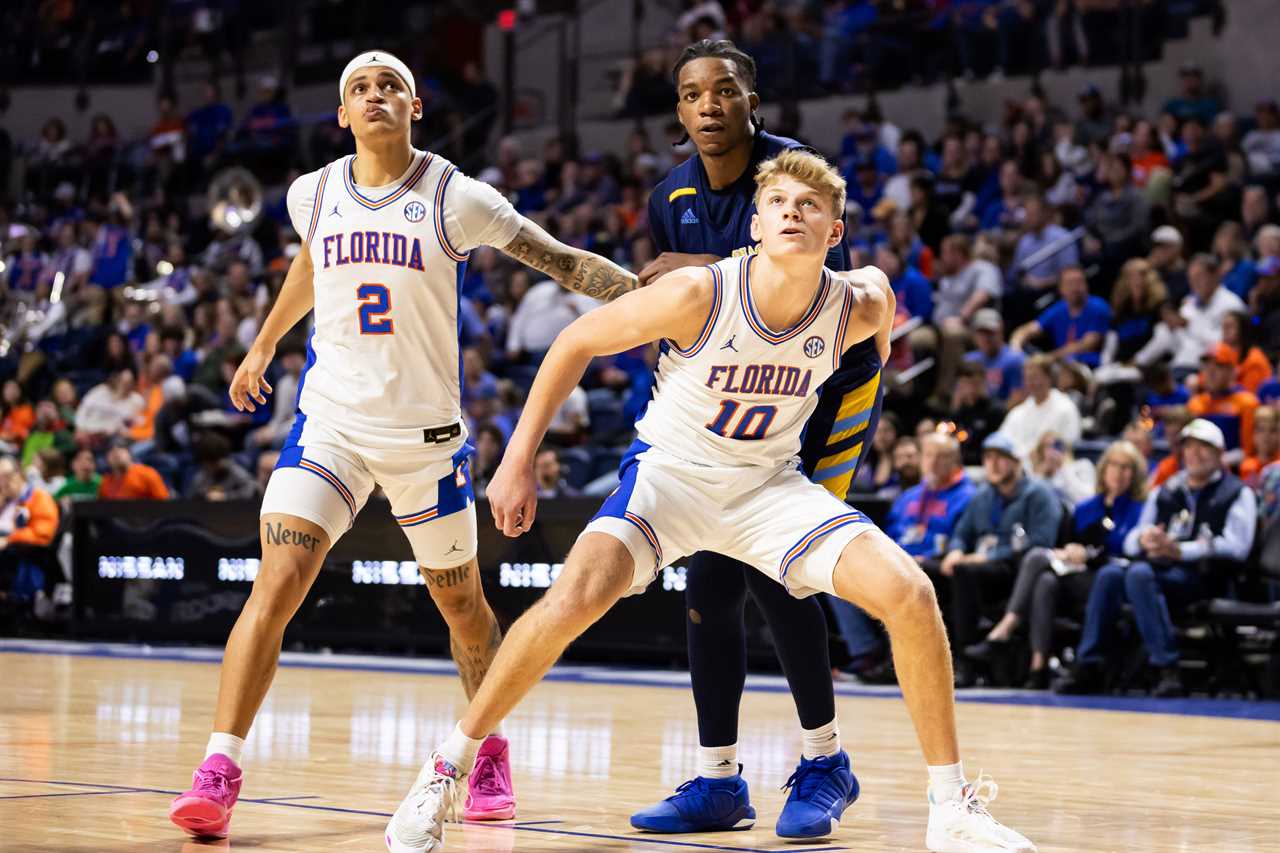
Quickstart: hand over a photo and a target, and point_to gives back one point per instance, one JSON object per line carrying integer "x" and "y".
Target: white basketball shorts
{"x": 325, "y": 476}
{"x": 778, "y": 521}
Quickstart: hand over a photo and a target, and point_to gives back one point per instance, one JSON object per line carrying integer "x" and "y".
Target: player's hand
{"x": 513, "y": 498}
{"x": 668, "y": 261}
{"x": 249, "y": 385}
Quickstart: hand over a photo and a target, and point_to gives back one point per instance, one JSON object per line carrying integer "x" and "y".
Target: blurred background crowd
{"x": 1077, "y": 283}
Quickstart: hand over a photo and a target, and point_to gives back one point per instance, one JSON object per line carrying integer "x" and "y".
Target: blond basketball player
{"x": 386, "y": 235}
{"x": 714, "y": 467}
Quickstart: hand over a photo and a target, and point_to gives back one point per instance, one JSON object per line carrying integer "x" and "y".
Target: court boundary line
{"x": 526, "y": 826}
{"x": 1240, "y": 709}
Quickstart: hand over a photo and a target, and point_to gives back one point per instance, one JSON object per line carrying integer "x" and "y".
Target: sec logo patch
{"x": 814, "y": 346}
{"x": 414, "y": 211}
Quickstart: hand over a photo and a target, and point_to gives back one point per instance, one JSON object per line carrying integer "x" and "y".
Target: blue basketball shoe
{"x": 821, "y": 789}
{"x": 701, "y": 805}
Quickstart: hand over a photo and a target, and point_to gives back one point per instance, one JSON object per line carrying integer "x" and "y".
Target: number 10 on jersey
{"x": 375, "y": 305}
{"x": 751, "y": 426}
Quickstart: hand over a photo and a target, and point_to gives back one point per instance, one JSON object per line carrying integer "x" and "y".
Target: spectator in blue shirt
{"x": 1193, "y": 101}
{"x": 208, "y": 126}
{"x": 1076, "y": 323}
{"x": 112, "y": 250}
{"x": 861, "y": 144}
{"x": 1034, "y": 272}
{"x": 1001, "y": 362}
{"x": 1006, "y": 516}
{"x": 923, "y": 517}
{"x": 865, "y": 189}
{"x": 912, "y": 290}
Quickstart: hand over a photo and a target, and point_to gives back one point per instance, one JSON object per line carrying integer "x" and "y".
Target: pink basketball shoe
{"x": 205, "y": 810}
{"x": 489, "y": 792}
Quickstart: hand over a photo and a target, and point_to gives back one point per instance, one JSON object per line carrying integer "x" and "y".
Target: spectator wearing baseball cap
{"x": 1222, "y": 402}
{"x": 1166, "y": 259}
{"x": 1193, "y": 531}
{"x": 1007, "y": 516}
{"x": 1001, "y": 362}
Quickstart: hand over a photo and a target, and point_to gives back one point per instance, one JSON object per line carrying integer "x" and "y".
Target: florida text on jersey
{"x": 383, "y": 362}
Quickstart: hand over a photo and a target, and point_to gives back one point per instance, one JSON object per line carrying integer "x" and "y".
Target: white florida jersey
{"x": 383, "y": 362}
{"x": 742, "y": 393}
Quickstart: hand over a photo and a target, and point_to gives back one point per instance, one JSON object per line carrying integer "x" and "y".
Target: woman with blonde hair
{"x": 1135, "y": 308}
{"x": 1046, "y": 575}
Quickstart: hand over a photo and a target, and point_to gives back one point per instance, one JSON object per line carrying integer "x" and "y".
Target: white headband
{"x": 375, "y": 57}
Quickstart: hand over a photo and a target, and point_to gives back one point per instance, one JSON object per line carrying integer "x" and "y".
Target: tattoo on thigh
{"x": 275, "y": 533}
{"x": 450, "y": 577}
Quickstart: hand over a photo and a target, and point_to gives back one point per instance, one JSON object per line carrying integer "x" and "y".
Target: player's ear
{"x": 753, "y": 101}
{"x": 416, "y": 113}
{"x": 837, "y": 233}
{"x": 342, "y": 117}
{"x": 755, "y": 227}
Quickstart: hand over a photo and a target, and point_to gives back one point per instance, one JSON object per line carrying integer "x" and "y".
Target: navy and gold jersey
{"x": 687, "y": 215}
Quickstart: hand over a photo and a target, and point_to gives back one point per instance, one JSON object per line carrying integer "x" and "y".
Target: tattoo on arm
{"x": 574, "y": 269}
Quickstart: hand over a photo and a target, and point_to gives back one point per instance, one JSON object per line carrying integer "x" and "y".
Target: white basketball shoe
{"x": 418, "y": 825}
{"x": 963, "y": 824}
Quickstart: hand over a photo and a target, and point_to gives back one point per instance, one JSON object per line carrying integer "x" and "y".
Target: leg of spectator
{"x": 1044, "y": 607}
{"x": 857, "y": 629}
{"x": 1101, "y": 613}
{"x": 955, "y": 339}
{"x": 1150, "y": 611}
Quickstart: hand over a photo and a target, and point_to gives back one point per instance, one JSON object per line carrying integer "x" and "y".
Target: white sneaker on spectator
{"x": 963, "y": 824}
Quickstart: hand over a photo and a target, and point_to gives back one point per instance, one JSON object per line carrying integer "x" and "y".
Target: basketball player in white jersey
{"x": 714, "y": 467}
{"x": 386, "y": 235}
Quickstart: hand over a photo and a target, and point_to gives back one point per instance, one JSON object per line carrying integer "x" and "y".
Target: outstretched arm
{"x": 575, "y": 269}
{"x": 297, "y": 297}
{"x": 675, "y": 307}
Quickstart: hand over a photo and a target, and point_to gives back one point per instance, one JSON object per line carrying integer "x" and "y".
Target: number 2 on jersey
{"x": 752, "y": 426}
{"x": 375, "y": 305}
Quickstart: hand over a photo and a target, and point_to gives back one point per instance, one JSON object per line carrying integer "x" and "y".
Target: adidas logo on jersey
{"x": 689, "y": 218}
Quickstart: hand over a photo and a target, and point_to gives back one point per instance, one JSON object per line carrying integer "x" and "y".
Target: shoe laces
{"x": 437, "y": 789}
{"x": 808, "y": 777}
{"x": 487, "y": 777}
{"x": 211, "y": 782}
{"x": 978, "y": 795}
{"x": 694, "y": 785}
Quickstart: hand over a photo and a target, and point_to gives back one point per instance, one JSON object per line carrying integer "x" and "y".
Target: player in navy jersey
{"x": 700, "y": 213}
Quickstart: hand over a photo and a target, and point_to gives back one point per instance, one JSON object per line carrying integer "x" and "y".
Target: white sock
{"x": 718, "y": 762}
{"x": 221, "y": 743}
{"x": 945, "y": 781}
{"x": 822, "y": 741}
{"x": 460, "y": 750}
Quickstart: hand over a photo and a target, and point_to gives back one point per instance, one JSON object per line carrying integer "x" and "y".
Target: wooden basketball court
{"x": 94, "y": 742}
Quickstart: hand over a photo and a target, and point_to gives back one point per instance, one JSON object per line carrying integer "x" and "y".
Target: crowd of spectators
{"x": 1089, "y": 303}
{"x": 811, "y": 48}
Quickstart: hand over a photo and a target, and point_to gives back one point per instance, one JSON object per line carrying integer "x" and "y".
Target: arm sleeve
{"x": 962, "y": 539}
{"x": 300, "y": 201}
{"x": 1236, "y": 539}
{"x": 477, "y": 215}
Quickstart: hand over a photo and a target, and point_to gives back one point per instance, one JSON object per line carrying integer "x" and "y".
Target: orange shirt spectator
{"x": 127, "y": 480}
{"x": 1221, "y": 402}
{"x": 19, "y": 416}
{"x": 41, "y": 512}
{"x": 1168, "y": 466}
{"x": 145, "y": 427}
{"x": 1266, "y": 444}
{"x": 1253, "y": 371}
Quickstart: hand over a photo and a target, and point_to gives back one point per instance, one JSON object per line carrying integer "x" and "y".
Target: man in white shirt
{"x": 1045, "y": 409}
{"x": 545, "y": 312}
{"x": 1186, "y": 335}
